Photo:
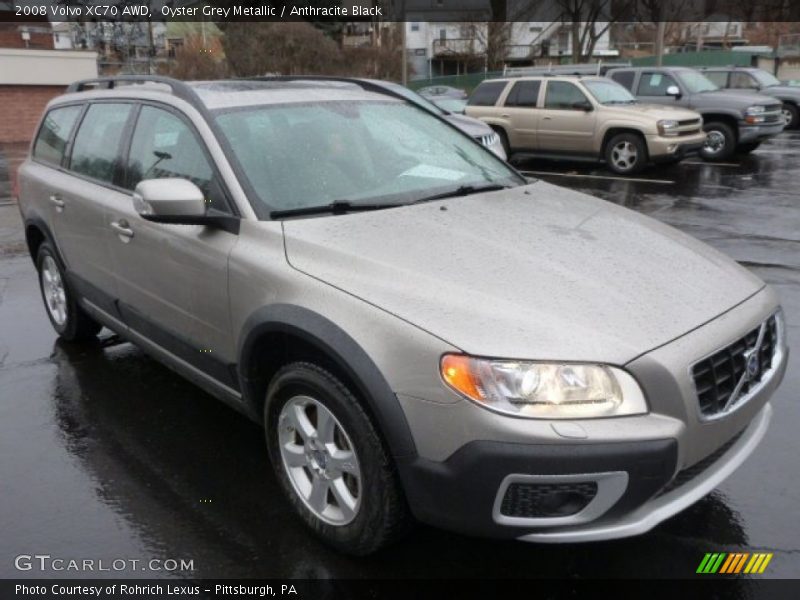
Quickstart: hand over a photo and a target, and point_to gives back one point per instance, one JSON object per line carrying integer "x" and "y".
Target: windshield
{"x": 608, "y": 92}
{"x": 696, "y": 82}
{"x": 765, "y": 78}
{"x": 378, "y": 152}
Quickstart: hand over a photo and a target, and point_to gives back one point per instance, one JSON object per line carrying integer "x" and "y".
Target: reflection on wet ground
{"x": 106, "y": 453}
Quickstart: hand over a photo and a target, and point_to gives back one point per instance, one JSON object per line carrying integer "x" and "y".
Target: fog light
{"x": 672, "y": 148}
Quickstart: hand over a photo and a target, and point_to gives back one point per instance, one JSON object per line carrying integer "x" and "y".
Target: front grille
{"x": 543, "y": 500}
{"x": 717, "y": 377}
{"x": 686, "y": 122}
{"x": 488, "y": 139}
{"x": 684, "y": 476}
{"x": 773, "y": 113}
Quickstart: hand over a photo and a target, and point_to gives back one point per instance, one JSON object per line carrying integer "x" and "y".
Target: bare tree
{"x": 589, "y": 21}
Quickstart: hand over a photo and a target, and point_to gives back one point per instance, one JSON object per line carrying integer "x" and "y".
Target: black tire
{"x": 382, "y": 516}
{"x": 503, "y": 140}
{"x": 76, "y": 325}
{"x": 721, "y": 142}
{"x": 626, "y": 154}
{"x": 747, "y": 148}
{"x": 791, "y": 114}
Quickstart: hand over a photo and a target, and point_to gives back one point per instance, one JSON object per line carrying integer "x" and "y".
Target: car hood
{"x": 472, "y": 127}
{"x": 732, "y": 98}
{"x": 653, "y": 111}
{"x": 536, "y": 272}
{"x": 785, "y": 91}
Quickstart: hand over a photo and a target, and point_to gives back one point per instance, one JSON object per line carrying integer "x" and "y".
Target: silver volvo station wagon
{"x": 423, "y": 333}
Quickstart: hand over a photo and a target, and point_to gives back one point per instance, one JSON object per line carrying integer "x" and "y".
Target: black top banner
{"x": 401, "y": 10}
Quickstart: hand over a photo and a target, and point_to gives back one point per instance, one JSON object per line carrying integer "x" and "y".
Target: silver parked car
{"x": 421, "y": 331}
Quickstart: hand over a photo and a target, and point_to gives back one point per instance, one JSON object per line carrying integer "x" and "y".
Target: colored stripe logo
{"x": 734, "y": 563}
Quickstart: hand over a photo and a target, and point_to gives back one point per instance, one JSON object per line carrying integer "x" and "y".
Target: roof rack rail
{"x": 578, "y": 69}
{"x": 364, "y": 84}
{"x": 179, "y": 88}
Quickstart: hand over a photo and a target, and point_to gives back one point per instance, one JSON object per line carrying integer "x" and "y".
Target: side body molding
{"x": 340, "y": 348}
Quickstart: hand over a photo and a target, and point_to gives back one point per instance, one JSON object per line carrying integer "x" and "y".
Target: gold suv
{"x": 585, "y": 118}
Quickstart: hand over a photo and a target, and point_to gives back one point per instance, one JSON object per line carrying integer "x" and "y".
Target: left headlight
{"x": 544, "y": 390}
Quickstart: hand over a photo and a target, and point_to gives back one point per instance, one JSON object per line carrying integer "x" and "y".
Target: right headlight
{"x": 544, "y": 390}
{"x": 667, "y": 127}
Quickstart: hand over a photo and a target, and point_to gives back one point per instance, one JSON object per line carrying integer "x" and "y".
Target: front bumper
{"x": 669, "y": 149}
{"x": 465, "y": 493}
{"x": 758, "y": 133}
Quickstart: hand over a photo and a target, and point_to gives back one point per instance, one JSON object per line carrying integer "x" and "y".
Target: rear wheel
{"x": 626, "y": 153}
{"x": 69, "y": 320}
{"x": 791, "y": 115}
{"x": 331, "y": 462}
{"x": 720, "y": 143}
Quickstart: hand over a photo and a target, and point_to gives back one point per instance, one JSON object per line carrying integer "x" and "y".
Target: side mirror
{"x": 674, "y": 90}
{"x": 583, "y": 105}
{"x": 179, "y": 202}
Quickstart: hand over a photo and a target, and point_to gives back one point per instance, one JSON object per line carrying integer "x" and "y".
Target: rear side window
{"x": 487, "y": 93}
{"x": 524, "y": 94}
{"x": 163, "y": 145}
{"x": 718, "y": 78}
{"x": 742, "y": 81}
{"x": 624, "y": 78}
{"x": 54, "y": 133}
{"x": 97, "y": 143}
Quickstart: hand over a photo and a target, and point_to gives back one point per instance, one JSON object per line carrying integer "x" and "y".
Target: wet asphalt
{"x": 104, "y": 453}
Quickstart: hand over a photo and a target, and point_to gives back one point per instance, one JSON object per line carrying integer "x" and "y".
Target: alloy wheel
{"x": 624, "y": 155}
{"x": 715, "y": 142}
{"x": 55, "y": 295}
{"x": 320, "y": 460}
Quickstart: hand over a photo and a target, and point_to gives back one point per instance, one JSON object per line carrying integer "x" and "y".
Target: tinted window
{"x": 654, "y": 84}
{"x": 624, "y": 78}
{"x": 524, "y": 93}
{"x": 164, "y": 145}
{"x": 97, "y": 143}
{"x": 54, "y": 133}
{"x": 562, "y": 95}
{"x": 487, "y": 93}
{"x": 742, "y": 80}
{"x": 719, "y": 78}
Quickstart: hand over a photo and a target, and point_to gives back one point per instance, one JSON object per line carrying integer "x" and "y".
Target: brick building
{"x": 31, "y": 73}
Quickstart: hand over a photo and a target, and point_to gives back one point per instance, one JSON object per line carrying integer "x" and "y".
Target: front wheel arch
{"x": 277, "y": 334}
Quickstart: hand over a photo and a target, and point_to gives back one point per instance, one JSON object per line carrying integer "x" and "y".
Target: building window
{"x": 415, "y": 27}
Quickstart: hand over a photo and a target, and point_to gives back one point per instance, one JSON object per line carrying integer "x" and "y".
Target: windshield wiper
{"x": 464, "y": 190}
{"x": 337, "y": 207}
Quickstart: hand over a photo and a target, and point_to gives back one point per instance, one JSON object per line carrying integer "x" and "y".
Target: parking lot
{"x": 105, "y": 453}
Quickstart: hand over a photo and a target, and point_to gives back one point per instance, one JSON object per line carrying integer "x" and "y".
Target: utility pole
{"x": 404, "y": 56}
{"x": 661, "y": 28}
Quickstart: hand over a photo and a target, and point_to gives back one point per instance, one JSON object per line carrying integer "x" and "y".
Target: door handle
{"x": 122, "y": 228}
{"x": 57, "y": 201}
{"x": 505, "y": 116}
{"x": 547, "y": 118}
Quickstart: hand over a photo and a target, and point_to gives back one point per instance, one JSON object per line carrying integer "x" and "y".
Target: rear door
{"x": 82, "y": 193}
{"x": 520, "y": 109}
{"x": 563, "y": 128}
{"x": 173, "y": 279}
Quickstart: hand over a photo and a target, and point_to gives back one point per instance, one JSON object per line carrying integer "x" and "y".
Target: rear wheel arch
{"x": 277, "y": 335}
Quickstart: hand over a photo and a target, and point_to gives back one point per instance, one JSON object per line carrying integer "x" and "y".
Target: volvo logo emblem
{"x": 752, "y": 365}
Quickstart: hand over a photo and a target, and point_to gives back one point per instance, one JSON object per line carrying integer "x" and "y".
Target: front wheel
{"x": 68, "y": 319}
{"x": 720, "y": 142}
{"x": 626, "y": 154}
{"x": 791, "y": 115}
{"x": 331, "y": 462}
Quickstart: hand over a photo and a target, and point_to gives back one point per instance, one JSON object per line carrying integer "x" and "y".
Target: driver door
{"x": 172, "y": 280}
{"x": 563, "y": 128}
